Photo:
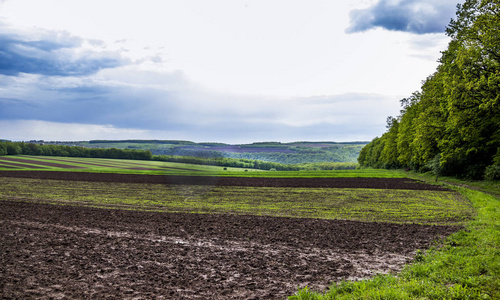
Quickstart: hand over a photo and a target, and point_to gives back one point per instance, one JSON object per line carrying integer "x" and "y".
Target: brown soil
{"x": 374, "y": 183}
{"x": 60, "y": 252}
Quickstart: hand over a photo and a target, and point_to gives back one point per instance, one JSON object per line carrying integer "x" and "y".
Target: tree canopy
{"x": 454, "y": 120}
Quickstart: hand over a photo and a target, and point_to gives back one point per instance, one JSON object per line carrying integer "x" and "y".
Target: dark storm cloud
{"x": 54, "y": 55}
{"x": 415, "y": 16}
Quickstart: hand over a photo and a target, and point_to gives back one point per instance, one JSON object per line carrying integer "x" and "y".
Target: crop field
{"x": 102, "y": 165}
{"x": 52, "y": 163}
{"x": 94, "y": 235}
{"x": 361, "y": 204}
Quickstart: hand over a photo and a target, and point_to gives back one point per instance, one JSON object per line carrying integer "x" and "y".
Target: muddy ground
{"x": 65, "y": 252}
{"x": 49, "y": 251}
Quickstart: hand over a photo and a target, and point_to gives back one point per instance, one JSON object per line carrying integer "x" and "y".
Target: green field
{"x": 102, "y": 165}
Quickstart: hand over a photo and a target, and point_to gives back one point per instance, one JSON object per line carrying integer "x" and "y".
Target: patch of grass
{"x": 397, "y": 206}
{"x": 466, "y": 266}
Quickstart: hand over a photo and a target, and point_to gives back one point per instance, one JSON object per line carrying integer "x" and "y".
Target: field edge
{"x": 465, "y": 265}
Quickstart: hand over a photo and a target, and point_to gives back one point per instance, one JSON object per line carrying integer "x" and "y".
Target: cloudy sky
{"x": 233, "y": 71}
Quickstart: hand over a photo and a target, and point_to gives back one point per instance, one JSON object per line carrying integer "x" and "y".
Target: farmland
{"x": 55, "y": 251}
{"x": 101, "y": 165}
{"x": 79, "y": 227}
{"x": 365, "y": 204}
{"x": 25, "y": 162}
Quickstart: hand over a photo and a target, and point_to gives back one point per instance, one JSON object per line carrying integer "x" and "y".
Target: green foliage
{"x": 12, "y": 148}
{"x": 21, "y": 148}
{"x": 457, "y": 113}
{"x": 371, "y": 153}
{"x": 389, "y": 155}
{"x": 492, "y": 172}
{"x": 3, "y": 148}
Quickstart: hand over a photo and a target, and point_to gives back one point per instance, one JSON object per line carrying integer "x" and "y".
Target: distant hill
{"x": 284, "y": 153}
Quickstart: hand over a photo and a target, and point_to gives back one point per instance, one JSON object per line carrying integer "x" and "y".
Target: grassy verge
{"x": 396, "y": 206}
{"x": 465, "y": 266}
{"x": 492, "y": 187}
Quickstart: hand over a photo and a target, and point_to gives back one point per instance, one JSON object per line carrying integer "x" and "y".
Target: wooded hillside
{"x": 452, "y": 125}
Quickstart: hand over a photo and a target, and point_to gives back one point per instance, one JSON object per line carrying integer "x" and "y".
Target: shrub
{"x": 492, "y": 172}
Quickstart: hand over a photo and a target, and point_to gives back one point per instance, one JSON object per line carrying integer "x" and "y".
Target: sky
{"x": 232, "y": 71}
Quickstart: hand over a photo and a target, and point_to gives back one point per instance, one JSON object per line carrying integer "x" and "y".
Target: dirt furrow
{"x": 51, "y": 251}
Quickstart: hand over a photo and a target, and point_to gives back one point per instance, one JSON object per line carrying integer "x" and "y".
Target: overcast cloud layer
{"x": 59, "y": 85}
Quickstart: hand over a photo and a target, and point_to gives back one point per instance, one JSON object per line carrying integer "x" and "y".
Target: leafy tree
{"x": 453, "y": 124}
{"x": 472, "y": 86}
{"x": 406, "y": 134}
{"x": 3, "y": 148}
{"x": 389, "y": 154}
{"x": 13, "y": 148}
{"x": 429, "y": 122}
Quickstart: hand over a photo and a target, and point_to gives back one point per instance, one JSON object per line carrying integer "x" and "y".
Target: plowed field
{"x": 55, "y": 251}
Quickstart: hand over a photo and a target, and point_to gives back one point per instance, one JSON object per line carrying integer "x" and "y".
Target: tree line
{"x": 452, "y": 125}
{"x": 22, "y": 148}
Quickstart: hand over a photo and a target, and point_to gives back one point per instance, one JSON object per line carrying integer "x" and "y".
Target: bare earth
{"x": 51, "y": 251}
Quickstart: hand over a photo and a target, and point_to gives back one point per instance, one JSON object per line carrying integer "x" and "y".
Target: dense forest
{"x": 452, "y": 125}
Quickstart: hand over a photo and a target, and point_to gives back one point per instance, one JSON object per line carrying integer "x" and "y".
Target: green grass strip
{"x": 466, "y": 266}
